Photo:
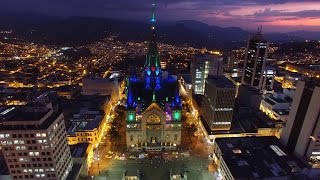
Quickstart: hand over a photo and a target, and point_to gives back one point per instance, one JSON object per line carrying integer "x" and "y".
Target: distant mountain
{"x": 83, "y": 30}
{"x": 307, "y": 35}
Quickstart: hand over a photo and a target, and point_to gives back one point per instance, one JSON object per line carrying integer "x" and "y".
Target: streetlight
{"x": 99, "y": 166}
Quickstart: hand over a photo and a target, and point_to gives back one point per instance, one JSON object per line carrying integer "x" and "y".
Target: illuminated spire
{"x": 152, "y": 64}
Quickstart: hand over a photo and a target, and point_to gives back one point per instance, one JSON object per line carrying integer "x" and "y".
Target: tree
{"x": 191, "y": 129}
{"x": 183, "y": 118}
{"x": 120, "y": 110}
{"x": 114, "y": 135}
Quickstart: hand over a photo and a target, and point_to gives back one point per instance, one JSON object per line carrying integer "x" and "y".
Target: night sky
{"x": 274, "y": 15}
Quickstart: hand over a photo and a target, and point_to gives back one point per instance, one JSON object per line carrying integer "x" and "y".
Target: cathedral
{"x": 153, "y": 114}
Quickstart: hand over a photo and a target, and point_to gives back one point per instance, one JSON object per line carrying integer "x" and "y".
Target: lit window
{"x": 43, "y": 135}
{"x": 38, "y": 135}
{"x": 1, "y": 136}
{"x": 31, "y": 153}
{"x": 7, "y": 135}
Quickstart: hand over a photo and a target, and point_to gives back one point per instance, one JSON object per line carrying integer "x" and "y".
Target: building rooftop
{"x": 220, "y": 81}
{"x": 258, "y": 157}
{"x": 204, "y": 56}
{"x": 85, "y": 125}
{"x": 79, "y": 150}
{"x": 187, "y": 78}
{"x": 235, "y": 128}
{"x": 277, "y": 100}
{"x": 198, "y": 98}
{"x": 19, "y": 115}
{"x": 282, "y": 111}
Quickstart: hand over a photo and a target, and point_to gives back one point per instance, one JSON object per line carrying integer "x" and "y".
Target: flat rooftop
{"x": 15, "y": 114}
{"x": 258, "y": 157}
{"x": 277, "y": 100}
{"x": 28, "y": 116}
{"x": 79, "y": 150}
{"x": 282, "y": 111}
{"x": 220, "y": 81}
{"x": 85, "y": 125}
{"x": 187, "y": 78}
{"x": 235, "y": 128}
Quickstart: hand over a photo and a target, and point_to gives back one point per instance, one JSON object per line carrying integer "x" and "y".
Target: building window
{"x": 131, "y": 138}
{"x": 176, "y": 137}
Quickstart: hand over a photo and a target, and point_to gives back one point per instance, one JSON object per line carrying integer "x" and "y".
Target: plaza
{"x": 155, "y": 167}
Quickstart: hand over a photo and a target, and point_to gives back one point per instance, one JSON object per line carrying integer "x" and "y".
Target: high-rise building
{"x": 153, "y": 105}
{"x": 255, "y": 60}
{"x": 201, "y": 66}
{"x": 231, "y": 66}
{"x": 219, "y": 97}
{"x": 301, "y": 133}
{"x": 268, "y": 78}
{"x": 34, "y": 142}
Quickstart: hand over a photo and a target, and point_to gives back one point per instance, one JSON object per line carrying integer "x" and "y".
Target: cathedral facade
{"x": 153, "y": 115}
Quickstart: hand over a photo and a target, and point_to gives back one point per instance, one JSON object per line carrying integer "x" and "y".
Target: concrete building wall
{"x": 294, "y": 108}
{"x": 310, "y": 128}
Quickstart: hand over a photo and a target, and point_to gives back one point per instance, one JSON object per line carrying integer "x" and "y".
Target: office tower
{"x": 268, "y": 78}
{"x": 231, "y": 63}
{"x": 34, "y": 142}
{"x": 201, "y": 66}
{"x": 216, "y": 66}
{"x": 255, "y": 60}
{"x": 153, "y": 105}
{"x": 301, "y": 134}
{"x": 219, "y": 97}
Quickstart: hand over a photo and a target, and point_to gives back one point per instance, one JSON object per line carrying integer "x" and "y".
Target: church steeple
{"x": 152, "y": 64}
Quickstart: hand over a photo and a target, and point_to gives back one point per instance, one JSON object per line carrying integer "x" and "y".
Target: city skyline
{"x": 98, "y": 105}
{"x": 274, "y": 15}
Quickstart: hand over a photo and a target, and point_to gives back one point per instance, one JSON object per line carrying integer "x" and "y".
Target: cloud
{"x": 303, "y": 14}
{"x": 242, "y": 13}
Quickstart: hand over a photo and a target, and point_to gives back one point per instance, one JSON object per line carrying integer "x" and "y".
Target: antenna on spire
{"x": 260, "y": 29}
{"x": 153, "y": 19}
